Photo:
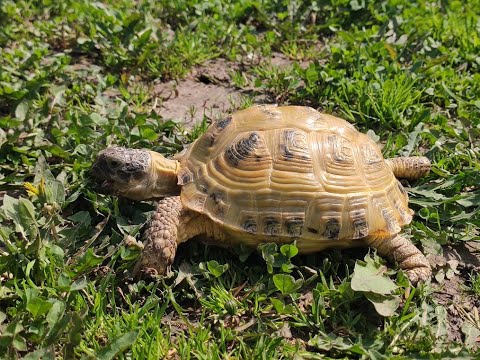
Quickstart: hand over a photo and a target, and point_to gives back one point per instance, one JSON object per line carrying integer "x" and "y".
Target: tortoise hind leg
{"x": 170, "y": 225}
{"x": 412, "y": 167}
{"x": 402, "y": 251}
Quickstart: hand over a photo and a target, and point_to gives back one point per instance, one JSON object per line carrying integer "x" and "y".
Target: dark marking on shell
{"x": 186, "y": 177}
{"x": 332, "y": 229}
{"x": 203, "y": 187}
{"x": 217, "y": 196}
{"x": 211, "y": 139}
{"x": 220, "y": 211}
{"x": 294, "y": 145}
{"x": 401, "y": 210}
{"x": 286, "y": 153}
{"x": 370, "y": 156}
{"x": 288, "y": 137}
{"x": 271, "y": 226}
{"x": 250, "y": 225}
{"x": 242, "y": 149}
{"x": 390, "y": 220}
{"x": 338, "y": 153}
{"x": 294, "y": 226}
{"x": 401, "y": 188}
{"x": 361, "y": 227}
{"x": 198, "y": 201}
{"x": 222, "y": 124}
{"x": 312, "y": 230}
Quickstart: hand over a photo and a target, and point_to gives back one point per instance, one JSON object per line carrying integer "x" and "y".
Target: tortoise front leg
{"x": 402, "y": 251}
{"x": 412, "y": 167}
{"x": 170, "y": 225}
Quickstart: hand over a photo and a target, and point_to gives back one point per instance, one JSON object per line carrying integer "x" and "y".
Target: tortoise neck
{"x": 164, "y": 176}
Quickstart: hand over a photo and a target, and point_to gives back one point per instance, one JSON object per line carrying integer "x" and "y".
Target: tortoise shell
{"x": 291, "y": 172}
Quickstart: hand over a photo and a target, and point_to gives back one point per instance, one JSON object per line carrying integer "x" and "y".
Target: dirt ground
{"x": 205, "y": 91}
{"x": 453, "y": 291}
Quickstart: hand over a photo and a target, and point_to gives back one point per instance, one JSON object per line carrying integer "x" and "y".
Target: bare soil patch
{"x": 206, "y": 91}
{"x": 454, "y": 292}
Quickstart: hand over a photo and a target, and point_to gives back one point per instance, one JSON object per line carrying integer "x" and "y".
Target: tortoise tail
{"x": 412, "y": 167}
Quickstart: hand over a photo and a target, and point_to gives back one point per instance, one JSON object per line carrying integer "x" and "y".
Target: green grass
{"x": 76, "y": 76}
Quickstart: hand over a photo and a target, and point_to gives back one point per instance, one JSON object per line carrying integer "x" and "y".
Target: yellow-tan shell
{"x": 291, "y": 172}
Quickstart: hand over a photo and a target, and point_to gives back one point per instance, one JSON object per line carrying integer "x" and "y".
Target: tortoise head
{"x": 134, "y": 173}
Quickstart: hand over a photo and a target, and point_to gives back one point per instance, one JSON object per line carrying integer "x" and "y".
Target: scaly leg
{"x": 402, "y": 251}
{"x": 412, "y": 167}
{"x": 170, "y": 225}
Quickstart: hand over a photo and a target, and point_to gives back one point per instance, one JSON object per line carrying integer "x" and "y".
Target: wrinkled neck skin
{"x": 164, "y": 176}
{"x": 161, "y": 181}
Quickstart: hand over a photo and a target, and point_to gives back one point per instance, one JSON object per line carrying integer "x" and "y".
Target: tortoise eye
{"x": 114, "y": 163}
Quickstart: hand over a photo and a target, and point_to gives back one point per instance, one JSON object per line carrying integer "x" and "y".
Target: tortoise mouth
{"x": 100, "y": 184}
{"x": 100, "y": 181}
{"x": 104, "y": 187}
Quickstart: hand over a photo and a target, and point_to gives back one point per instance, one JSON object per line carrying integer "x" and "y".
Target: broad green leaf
{"x": 472, "y": 335}
{"x": 58, "y": 95}
{"x": 38, "y": 306}
{"x": 117, "y": 346}
{"x": 56, "y": 150}
{"x": 330, "y": 341}
{"x": 311, "y": 75}
{"x": 5, "y": 233}
{"x": 81, "y": 217}
{"x": 79, "y": 284}
{"x": 26, "y": 210}
{"x": 289, "y": 250}
{"x": 216, "y": 269}
{"x": 54, "y": 192}
{"x": 98, "y": 119}
{"x": 55, "y": 313}
{"x": 281, "y": 308}
{"x": 88, "y": 261}
{"x": 21, "y": 110}
{"x": 64, "y": 281}
{"x": 430, "y": 246}
{"x": 46, "y": 353}
{"x": 58, "y": 328}
{"x": 470, "y": 200}
{"x": 442, "y": 322}
{"x": 287, "y": 283}
{"x": 148, "y": 133}
{"x": 268, "y": 251}
{"x": 385, "y": 305}
{"x": 370, "y": 278}
{"x": 19, "y": 343}
{"x": 187, "y": 272}
{"x": 22, "y": 212}
{"x": 56, "y": 252}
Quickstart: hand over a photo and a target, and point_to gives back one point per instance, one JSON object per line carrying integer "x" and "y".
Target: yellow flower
{"x": 33, "y": 190}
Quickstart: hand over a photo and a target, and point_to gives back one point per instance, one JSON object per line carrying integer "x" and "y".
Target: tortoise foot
{"x": 420, "y": 274}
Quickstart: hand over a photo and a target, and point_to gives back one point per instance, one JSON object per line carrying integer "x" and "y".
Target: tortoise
{"x": 271, "y": 174}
